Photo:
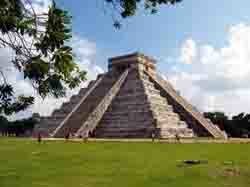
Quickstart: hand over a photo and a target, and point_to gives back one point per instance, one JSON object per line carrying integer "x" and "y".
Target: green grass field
{"x": 25, "y": 163}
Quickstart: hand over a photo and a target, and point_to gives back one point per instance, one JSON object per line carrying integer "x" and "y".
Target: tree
{"x": 218, "y": 118}
{"x": 39, "y": 41}
{"x": 128, "y": 8}
{"x": 16, "y": 128}
{"x": 41, "y": 53}
{"x": 242, "y": 123}
{"x": 238, "y": 126}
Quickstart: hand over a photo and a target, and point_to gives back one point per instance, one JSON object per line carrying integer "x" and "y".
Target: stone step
{"x": 125, "y": 129}
{"x": 155, "y": 97}
{"x": 65, "y": 110}
{"x": 167, "y": 122}
{"x": 128, "y": 107}
{"x": 91, "y": 83}
{"x": 124, "y": 134}
{"x": 75, "y": 98}
{"x": 165, "y": 114}
{"x": 82, "y": 91}
{"x": 147, "y": 82}
{"x": 152, "y": 91}
{"x": 117, "y": 114}
{"x": 128, "y": 110}
{"x": 53, "y": 122}
{"x": 161, "y": 107}
{"x": 60, "y": 115}
{"x": 185, "y": 133}
{"x": 126, "y": 100}
{"x": 106, "y": 123}
{"x": 133, "y": 85}
{"x": 130, "y": 103}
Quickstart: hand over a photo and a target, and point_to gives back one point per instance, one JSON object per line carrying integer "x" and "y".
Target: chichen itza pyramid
{"x": 129, "y": 101}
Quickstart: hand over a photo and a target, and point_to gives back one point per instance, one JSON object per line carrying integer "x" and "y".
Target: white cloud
{"x": 85, "y": 58}
{"x": 85, "y": 62}
{"x": 39, "y": 6}
{"x": 216, "y": 79}
{"x": 188, "y": 51}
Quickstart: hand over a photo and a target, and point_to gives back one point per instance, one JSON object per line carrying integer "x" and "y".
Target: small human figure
{"x": 153, "y": 136}
{"x": 39, "y": 137}
{"x": 67, "y": 136}
{"x": 177, "y": 137}
{"x": 85, "y": 137}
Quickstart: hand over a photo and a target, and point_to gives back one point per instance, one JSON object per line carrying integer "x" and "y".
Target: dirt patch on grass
{"x": 231, "y": 172}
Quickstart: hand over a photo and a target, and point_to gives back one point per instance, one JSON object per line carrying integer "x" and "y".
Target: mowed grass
{"x": 25, "y": 163}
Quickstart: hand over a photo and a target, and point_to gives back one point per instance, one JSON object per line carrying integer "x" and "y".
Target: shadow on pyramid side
{"x": 129, "y": 101}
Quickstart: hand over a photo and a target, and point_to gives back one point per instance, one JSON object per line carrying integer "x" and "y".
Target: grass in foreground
{"x": 24, "y": 163}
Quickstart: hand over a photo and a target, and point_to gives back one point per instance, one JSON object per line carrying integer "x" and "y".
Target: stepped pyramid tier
{"x": 129, "y": 101}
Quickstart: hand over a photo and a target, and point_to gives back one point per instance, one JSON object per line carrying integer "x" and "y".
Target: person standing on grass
{"x": 178, "y": 139}
{"x": 39, "y": 137}
{"x": 153, "y": 135}
{"x": 67, "y": 136}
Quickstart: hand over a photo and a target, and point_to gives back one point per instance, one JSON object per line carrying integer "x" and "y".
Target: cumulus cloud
{"x": 85, "y": 58}
{"x": 216, "y": 78}
{"x": 188, "y": 51}
{"x": 39, "y": 6}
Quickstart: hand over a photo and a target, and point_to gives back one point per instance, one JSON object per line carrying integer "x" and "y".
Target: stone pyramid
{"x": 129, "y": 101}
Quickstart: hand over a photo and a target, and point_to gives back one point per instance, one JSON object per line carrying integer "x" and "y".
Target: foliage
{"x": 128, "y": 8}
{"x": 238, "y": 126}
{"x": 41, "y": 52}
{"x": 16, "y": 128}
{"x": 9, "y": 104}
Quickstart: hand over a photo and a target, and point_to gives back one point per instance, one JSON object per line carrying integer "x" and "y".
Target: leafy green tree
{"x": 238, "y": 126}
{"x": 39, "y": 41}
{"x": 242, "y": 123}
{"x": 16, "y": 128}
{"x": 128, "y": 8}
{"x": 218, "y": 118}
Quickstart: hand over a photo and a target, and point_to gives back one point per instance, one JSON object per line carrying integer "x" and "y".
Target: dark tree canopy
{"x": 238, "y": 126}
{"x": 127, "y": 8}
{"x": 39, "y": 41}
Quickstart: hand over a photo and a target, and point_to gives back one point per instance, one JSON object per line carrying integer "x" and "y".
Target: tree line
{"x": 235, "y": 126}
{"x": 16, "y": 128}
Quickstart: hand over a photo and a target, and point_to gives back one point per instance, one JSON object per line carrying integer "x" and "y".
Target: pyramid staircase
{"x": 48, "y": 125}
{"x": 129, "y": 101}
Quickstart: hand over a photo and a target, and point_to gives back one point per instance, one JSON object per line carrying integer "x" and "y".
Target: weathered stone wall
{"x": 47, "y": 125}
{"x": 168, "y": 122}
{"x": 80, "y": 115}
{"x": 92, "y": 121}
{"x": 129, "y": 115}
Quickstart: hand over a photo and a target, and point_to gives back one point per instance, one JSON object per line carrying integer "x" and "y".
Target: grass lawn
{"x": 24, "y": 163}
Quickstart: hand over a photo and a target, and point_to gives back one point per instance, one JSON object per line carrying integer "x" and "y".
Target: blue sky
{"x": 202, "y": 48}
{"x": 157, "y": 35}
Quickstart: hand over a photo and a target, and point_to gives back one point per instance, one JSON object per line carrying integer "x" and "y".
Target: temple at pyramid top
{"x": 136, "y": 60}
{"x": 129, "y": 101}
